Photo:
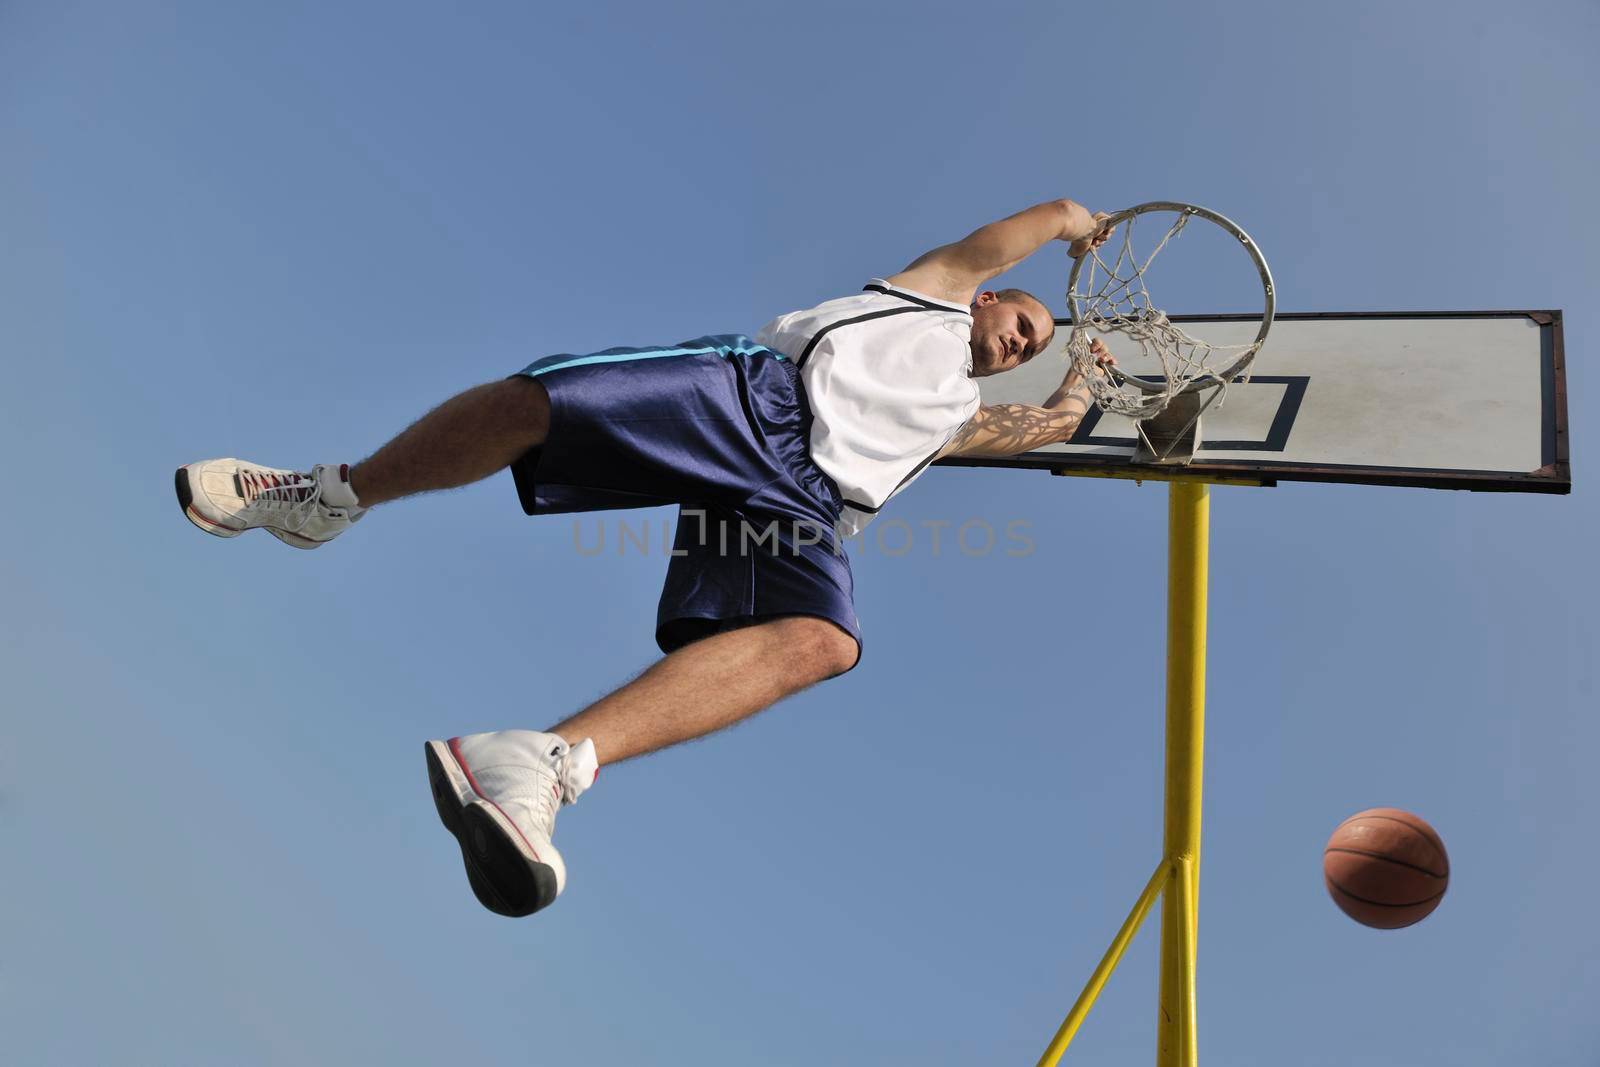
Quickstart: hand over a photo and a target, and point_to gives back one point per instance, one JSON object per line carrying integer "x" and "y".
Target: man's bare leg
{"x": 498, "y": 793}
{"x": 711, "y": 684}
{"x": 465, "y": 439}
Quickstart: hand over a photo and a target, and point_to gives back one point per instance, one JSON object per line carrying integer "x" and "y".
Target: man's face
{"x": 1007, "y": 333}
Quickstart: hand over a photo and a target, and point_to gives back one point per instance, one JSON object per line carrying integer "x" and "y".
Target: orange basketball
{"x": 1385, "y": 868}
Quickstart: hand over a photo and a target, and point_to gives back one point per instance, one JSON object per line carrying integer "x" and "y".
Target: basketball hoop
{"x": 1111, "y": 297}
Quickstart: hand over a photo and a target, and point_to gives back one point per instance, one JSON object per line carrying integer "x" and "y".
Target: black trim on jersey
{"x": 867, "y": 508}
{"x": 921, "y": 305}
{"x": 918, "y": 469}
{"x": 820, "y": 334}
{"x": 934, "y": 305}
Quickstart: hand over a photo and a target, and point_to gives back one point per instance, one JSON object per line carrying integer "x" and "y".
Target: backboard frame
{"x": 1554, "y": 475}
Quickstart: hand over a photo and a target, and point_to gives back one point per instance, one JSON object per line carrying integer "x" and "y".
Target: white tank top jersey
{"x": 888, "y": 373}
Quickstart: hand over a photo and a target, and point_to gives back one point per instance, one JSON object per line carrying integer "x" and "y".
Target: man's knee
{"x": 820, "y": 649}
{"x": 524, "y": 404}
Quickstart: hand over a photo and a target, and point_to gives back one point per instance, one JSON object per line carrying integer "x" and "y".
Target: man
{"x": 770, "y": 447}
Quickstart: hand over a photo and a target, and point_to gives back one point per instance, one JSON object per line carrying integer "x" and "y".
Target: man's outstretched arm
{"x": 956, "y": 271}
{"x": 999, "y": 430}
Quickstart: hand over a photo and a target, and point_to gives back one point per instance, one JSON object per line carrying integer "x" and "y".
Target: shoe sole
{"x": 217, "y": 529}
{"x": 504, "y": 877}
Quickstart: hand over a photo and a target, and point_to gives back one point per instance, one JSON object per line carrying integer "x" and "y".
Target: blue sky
{"x": 282, "y": 231}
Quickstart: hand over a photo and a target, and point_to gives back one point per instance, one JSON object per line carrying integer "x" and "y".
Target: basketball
{"x": 1385, "y": 868}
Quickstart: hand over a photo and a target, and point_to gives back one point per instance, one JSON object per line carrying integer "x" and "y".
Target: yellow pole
{"x": 1184, "y": 883}
{"x": 1188, "y": 522}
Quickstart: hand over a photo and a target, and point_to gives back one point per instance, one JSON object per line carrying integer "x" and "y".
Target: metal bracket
{"x": 1171, "y": 435}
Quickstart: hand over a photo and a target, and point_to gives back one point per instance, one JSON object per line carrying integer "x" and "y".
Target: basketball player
{"x": 773, "y": 448}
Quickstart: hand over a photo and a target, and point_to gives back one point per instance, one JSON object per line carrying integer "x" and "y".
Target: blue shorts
{"x": 719, "y": 426}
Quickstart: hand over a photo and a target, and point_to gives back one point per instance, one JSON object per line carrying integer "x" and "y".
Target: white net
{"x": 1110, "y": 297}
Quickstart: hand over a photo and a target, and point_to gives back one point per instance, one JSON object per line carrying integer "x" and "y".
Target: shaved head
{"x": 1021, "y": 296}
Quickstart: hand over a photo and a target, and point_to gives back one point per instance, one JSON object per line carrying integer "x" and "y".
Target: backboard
{"x": 1444, "y": 400}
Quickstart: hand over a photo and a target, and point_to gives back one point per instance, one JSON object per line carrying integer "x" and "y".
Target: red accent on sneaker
{"x": 196, "y": 516}
{"x": 455, "y": 750}
{"x": 344, "y": 473}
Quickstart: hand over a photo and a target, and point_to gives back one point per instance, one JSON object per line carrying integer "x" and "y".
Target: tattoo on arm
{"x": 1012, "y": 429}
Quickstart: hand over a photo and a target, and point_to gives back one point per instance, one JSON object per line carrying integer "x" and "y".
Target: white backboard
{"x": 1449, "y": 400}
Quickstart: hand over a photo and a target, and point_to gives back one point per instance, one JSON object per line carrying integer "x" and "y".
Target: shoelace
{"x": 299, "y": 497}
{"x": 534, "y": 798}
{"x": 545, "y": 801}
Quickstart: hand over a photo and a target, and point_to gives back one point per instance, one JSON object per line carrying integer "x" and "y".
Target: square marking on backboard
{"x": 1255, "y": 415}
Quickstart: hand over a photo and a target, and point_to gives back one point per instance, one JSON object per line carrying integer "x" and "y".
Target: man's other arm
{"x": 999, "y": 430}
{"x": 956, "y": 271}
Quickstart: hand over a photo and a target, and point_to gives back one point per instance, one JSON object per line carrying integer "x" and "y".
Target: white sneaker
{"x": 498, "y": 794}
{"x": 226, "y": 497}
